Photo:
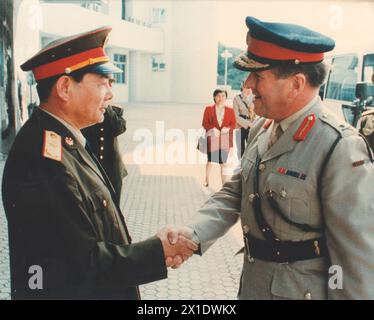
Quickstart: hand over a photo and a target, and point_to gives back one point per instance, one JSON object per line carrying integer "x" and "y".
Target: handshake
{"x": 177, "y": 245}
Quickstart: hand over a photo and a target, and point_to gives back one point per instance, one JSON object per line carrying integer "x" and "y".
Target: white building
{"x": 167, "y": 49}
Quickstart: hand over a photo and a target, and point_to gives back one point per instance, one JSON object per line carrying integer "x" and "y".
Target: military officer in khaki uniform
{"x": 305, "y": 191}
{"x": 63, "y": 218}
{"x": 244, "y": 116}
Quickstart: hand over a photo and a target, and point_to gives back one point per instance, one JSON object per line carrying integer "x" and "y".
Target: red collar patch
{"x": 305, "y": 127}
{"x": 267, "y": 124}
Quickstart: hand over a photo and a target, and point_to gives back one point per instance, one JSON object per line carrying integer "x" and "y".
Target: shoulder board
{"x": 342, "y": 127}
{"x": 52, "y": 147}
{"x": 305, "y": 127}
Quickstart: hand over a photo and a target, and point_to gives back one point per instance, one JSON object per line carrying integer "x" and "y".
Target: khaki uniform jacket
{"x": 62, "y": 217}
{"x": 240, "y": 108}
{"x": 367, "y": 127}
{"x": 345, "y": 212}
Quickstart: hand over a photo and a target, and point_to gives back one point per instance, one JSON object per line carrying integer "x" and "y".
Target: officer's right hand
{"x": 177, "y": 245}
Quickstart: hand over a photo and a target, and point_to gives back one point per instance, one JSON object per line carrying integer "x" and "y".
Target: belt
{"x": 284, "y": 251}
{"x": 243, "y": 116}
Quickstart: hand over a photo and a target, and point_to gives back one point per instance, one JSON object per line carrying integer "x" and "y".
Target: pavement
{"x": 164, "y": 186}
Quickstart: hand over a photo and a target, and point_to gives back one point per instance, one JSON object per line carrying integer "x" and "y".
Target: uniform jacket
{"x": 210, "y": 121}
{"x": 103, "y": 141}
{"x": 345, "y": 212}
{"x": 367, "y": 127}
{"x": 241, "y": 108}
{"x": 62, "y": 217}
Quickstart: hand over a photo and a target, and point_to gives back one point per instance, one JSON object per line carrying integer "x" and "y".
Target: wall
{"x": 194, "y": 51}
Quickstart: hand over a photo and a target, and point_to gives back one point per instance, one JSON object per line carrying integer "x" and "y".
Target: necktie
{"x": 275, "y": 134}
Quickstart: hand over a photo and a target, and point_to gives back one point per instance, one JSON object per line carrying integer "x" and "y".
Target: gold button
{"x": 101, "y": 157}
{"x": 245, "y": 229}
{"x": 101, "y": 139}
{"x": 101, "y": 129}
{"x": 67, "y": 70}
{"x": 101, "y": 148}
{"x": 261, "y": 167}
{"x": 105, "y": 203}
{"x": 308, "y": 295}
{"x": 297, "y": 61}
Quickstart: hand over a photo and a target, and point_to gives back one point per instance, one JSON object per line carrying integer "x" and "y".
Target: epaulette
{"x": 340, "y": 126}
{"x": 52, "y": 146}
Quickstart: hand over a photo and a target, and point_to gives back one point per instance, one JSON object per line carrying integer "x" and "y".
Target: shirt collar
{"x": 77, "y": 133}
{"x": 286, "y": 123}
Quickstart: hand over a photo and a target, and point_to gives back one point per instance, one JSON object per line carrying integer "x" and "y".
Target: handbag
{"x": 202, "y": 143}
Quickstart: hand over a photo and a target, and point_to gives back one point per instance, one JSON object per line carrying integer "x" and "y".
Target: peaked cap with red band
{"x": 84, "y": 52}
{"x": 272, "y": 44}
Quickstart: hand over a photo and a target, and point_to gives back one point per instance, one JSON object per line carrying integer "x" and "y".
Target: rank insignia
{"x": 305, "y": 127}
{"x": 69, "y": 141}
{"x": 52, "y": 147}
{"x": 291, "y": 173}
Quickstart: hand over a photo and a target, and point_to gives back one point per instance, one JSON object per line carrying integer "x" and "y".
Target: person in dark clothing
{"x": 102, "y": 139}
{"x": 68, "y": 237}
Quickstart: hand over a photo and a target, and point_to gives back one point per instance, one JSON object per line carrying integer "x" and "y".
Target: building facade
{"x": 166, "y": 49}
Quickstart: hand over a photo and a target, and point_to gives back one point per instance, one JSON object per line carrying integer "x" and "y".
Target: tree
{"x": 235, "y": 77}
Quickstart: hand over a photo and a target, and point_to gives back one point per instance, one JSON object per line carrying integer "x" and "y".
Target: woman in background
{"x": 219, "y": 123}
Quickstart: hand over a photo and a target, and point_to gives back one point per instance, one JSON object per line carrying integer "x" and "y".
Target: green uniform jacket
{"x": 61, "y": 217}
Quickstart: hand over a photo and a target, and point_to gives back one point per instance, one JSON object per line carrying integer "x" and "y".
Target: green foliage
{"x": 235, "y": 77}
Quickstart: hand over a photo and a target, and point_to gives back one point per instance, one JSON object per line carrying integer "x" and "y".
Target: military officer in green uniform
{"x": 305, "y": 192}
{"x": 64, "y": 222}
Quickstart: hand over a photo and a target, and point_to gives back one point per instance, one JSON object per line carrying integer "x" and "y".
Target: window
{"x": 124, "y": 9}
{"x": 92, "y": 5}
{"x": 120, "y": 62}
{"x": 343, "y": 78}
{"x": 368, "y": 69}
{"x": 158, "y": 15}
{"x": 158, "y": 64}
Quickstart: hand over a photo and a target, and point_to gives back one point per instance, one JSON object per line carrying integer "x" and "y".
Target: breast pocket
{"x": 104, "y": 214}
{"x": 290, "y": 196}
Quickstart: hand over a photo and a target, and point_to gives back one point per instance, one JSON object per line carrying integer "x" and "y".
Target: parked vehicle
{"x": 349, "y": 89}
